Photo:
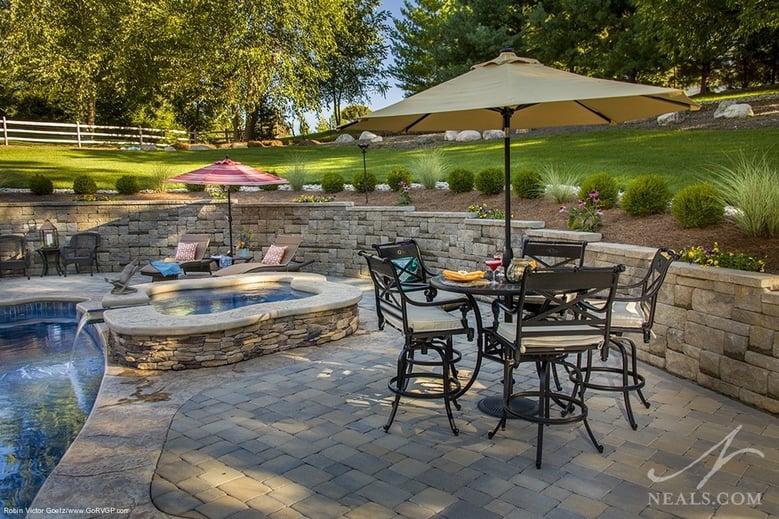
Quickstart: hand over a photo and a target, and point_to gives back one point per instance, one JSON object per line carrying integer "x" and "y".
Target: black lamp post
{"x": 364, "y": 147}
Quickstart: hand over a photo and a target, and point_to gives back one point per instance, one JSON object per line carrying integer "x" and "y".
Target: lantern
{"x": 49, "y": 236}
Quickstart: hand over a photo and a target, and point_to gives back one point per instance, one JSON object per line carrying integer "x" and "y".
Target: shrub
{"x": 430, "y": 167}
{"x": 398, "y": 175}
{"x": 490, "y": 181}
{"x": 332, "y": 183}
{"x": 84, "y": 185}
{"x": 270, "y": 187}
{"x": 645, "y": 195}
{"x": 460, "y": 181}
{"x": 560, "y": 182}
{"x": 127, "y": 185}
{"x": 697, "y": 205}
{"x": 195, "y": 188}
{"x": 606, "y": 187}
{"x": 527, "y": 183}
{"x": 751, "y": 185}
{"x": 364, "y": 181}
{"x": 297, "y": 177}
{"x": 158, "y": 176}
{"x": 40, "y": 185}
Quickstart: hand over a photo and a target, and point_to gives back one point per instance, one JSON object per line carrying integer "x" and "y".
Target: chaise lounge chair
{"x": 121, "y": 284}
{"x": 190, "y": 257}
{"x": 280, "y": 256}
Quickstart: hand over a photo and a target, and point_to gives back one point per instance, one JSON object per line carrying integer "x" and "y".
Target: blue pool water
{"x": 212, "y": 300}
{"x": 48, "y": 385}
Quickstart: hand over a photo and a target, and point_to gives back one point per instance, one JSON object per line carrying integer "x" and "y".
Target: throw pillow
{"x": 186, "y": 251}
{"x": 274, "y": 255}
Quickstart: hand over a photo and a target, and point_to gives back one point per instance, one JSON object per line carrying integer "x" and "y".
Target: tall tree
{"x": 354, "y": 67}
{"x": 64, "y": 51}
{"x": 695, "y": 35}
{"x": 244, "y": 55}
{"x": 414, "y": 39}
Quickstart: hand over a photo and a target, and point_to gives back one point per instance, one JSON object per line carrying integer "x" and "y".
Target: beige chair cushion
{"x": 627, "y": 314}
{"x": 552, "y": 342}
{"x": 425, "y": 319}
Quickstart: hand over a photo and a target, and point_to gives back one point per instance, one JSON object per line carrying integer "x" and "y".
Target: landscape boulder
{"x": 344, "y": 138}
{"x": 490, "y": 135}
{"x": 468, "y": 136}
{"x": 370, "y": 137}
{"x": 737, "y": 111}
{"x": 670, "y": 118}
{"x": 450, "y": 135}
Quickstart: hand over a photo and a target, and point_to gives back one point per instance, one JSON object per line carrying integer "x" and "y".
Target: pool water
{"x": 48, "y": 386}
{"x": 221, "y": 299}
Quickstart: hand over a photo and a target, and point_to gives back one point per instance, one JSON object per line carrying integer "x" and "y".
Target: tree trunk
{"x": 251, "y": 125}
{"x": 705, "y": 72}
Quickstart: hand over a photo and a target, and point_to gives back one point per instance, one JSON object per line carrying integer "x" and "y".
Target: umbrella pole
{"x": 508, "y": 253}
{"x": 230, "y": 220}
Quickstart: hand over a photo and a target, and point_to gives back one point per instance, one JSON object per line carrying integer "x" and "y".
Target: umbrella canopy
{"x": 228, "y": 173}
{"x": 514, "y": 92}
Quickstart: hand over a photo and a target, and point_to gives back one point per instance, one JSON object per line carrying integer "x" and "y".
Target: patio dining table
{"x": 490, "y": 405}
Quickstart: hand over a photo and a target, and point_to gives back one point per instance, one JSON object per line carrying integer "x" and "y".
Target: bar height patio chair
{"x": 571, "y": 324}
{"x": 427, "y": 363}
{"x": 633, "y": 313}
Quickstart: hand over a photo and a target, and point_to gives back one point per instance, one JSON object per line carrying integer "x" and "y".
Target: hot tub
{"x": 142, "y": 337}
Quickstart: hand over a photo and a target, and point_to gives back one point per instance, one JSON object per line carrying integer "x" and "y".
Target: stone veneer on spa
{"x": 141, "y": 337}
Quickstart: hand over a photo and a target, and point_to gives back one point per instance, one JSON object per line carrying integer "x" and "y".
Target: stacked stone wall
{"x": 717, "y": 327}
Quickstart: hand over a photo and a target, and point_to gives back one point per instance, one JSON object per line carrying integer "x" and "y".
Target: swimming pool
{"x": 48, "y": 386}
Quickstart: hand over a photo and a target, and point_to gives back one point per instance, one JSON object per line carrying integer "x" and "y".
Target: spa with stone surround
{"x": 143, "y": 337}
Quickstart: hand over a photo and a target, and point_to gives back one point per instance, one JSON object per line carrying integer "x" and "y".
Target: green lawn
{"x": 682, "y": 157}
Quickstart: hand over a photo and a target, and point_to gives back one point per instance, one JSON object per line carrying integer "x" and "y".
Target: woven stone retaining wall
{"x": 716, "y": 327}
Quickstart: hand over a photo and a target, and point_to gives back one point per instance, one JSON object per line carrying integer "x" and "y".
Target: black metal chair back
{"x": 553, "y": 254}
{"x": 644, "y": 292}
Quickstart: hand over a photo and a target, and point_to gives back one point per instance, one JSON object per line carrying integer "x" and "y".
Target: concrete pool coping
{"x": 133, "y": 314}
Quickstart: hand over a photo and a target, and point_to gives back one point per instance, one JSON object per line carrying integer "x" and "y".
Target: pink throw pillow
{"x": 274, "y": 255}
{"x": 186, "y": 251}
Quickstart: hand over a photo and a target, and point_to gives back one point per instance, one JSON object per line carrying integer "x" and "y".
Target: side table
{"x": 50, "y": 255}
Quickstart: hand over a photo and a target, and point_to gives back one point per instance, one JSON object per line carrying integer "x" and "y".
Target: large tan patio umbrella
{"x": 228, "y": 173}
{"x": 513, "y": 92}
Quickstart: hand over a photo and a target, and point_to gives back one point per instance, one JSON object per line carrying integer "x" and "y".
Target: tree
{"x": 695, "y": 35}
{"x": 354, "y": 66}
{"x": 63, "y": 51}
{"x": 414, "y": 39}
{"x": 354, "y": 112}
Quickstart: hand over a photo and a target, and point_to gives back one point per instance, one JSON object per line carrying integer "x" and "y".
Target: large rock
{"x": 490, "y": 135}
{"x": 450, "y": 135}
{"x": 738, "y": 111}
{"x": 468, "y": 136}
{"x": 199, "y": 147}
{"x": 370, "y": 137}
{"x": 344, "y": 138}
{"x": 670, "y": 118}
{"x": 148, "y": 147}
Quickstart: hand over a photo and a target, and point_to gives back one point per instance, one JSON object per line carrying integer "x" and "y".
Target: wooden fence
{"x": 86, "y": 135}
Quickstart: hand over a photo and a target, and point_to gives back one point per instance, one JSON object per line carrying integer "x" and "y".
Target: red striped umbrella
{"x": 228, "y": 173}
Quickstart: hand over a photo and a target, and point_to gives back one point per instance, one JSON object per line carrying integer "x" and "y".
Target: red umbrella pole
{"x": 230, "y": 219}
